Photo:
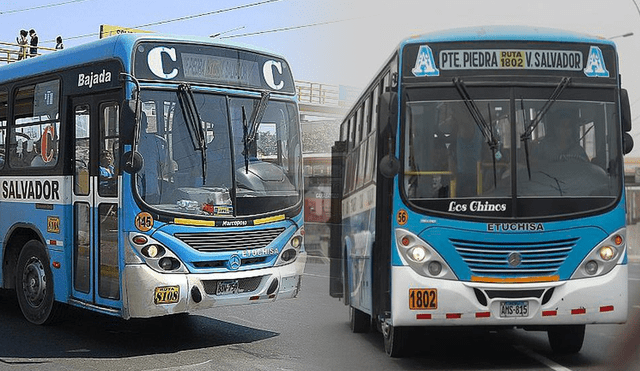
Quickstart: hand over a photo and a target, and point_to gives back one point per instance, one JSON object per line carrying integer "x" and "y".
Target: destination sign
{"x": 209, "y": 64}
{"x": 522, "y": 59}
{"x": 509, "y": 58}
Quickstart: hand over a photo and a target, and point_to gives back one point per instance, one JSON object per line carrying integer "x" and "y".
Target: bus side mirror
{"x": 627, "y": 142}
{"x": 625, "y": 109}
{"x": 132, "y": 162}
{"x": 389, "y": 166}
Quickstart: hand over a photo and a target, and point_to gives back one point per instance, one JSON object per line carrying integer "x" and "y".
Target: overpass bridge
{"x": 324, "y": 101}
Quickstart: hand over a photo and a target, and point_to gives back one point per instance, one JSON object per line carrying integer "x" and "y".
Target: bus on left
{"x": 143, "y": 176}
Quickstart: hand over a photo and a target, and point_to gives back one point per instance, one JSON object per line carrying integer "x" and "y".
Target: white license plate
{"x": 514, "y": 309}
{"x": 227, "y": 287}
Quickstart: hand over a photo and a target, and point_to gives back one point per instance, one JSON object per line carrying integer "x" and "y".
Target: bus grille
{"x": 492, "y": 258}
{"x": 228, "y": 241}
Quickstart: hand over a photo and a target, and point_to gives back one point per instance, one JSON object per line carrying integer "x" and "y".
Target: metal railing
{"x": 317, "y": 93}
{"x": 13, "y": 52}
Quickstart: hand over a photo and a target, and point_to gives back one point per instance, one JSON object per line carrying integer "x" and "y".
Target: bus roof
{"x": 503, "y": 33}
{"x": 114, "y": 47}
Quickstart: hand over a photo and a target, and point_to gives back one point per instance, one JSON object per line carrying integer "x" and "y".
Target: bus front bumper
{"x": 581, "y": 301}
{"x": 151, "y": 294}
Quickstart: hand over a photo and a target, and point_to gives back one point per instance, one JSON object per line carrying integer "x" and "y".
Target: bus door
{"x": 96, "y": 268}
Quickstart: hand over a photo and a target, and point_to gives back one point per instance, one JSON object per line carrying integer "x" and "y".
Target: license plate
{"x": 227, "y": 287}
{"x": 166, "y": 295}
{"x": 423, "y": 299}
{"x": 514, "y": 309}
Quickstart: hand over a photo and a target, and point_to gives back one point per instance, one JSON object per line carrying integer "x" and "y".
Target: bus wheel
{"x": 359, "y": 321}
{"x": 395, "y": 344}
{"x": 566, "y": 339}
{"x": 34, "y": 285}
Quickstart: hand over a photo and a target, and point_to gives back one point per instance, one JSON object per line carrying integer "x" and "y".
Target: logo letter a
{"x": 425, "y": 64}
{"x": 595, "y": 64}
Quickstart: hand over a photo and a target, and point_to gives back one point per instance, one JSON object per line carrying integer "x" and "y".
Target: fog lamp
{"x": 607, "y": 253}
{"x": 418, "y": 253}
{"x": 434, "y": 268}
{"x": 169, "y": 263}
{"x": 591, "y": 267}
{"x": 288, "y": 255}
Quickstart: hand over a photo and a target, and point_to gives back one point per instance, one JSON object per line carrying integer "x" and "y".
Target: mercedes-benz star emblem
{"x": 515, "y": 259}
{"x": 234, "y": 262}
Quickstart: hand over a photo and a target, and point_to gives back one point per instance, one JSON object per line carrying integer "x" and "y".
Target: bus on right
{"x": 480, "y": 182}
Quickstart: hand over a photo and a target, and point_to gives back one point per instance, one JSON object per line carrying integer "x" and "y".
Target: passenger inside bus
{"x": 153, "y": 149}
{"x": 562, "y": 140}
{"x": 108, "y": 174}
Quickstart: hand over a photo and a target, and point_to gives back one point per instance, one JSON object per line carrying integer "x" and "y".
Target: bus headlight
{"x": 421, "y": 257}
{"x": 291, "y": 250}
{"x": 604, "y": 257}
{"x": 607, "y": 253}
{"x": 155, "y": 255}
{"x": 417, "y": 253}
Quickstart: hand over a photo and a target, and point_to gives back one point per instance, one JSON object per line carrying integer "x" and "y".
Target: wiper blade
{"x": 256, "y": 115}
{"x": 250, "y": 128}
{"x": 194, "y": 124}
{"x": 526, "y": 136}
{"x": 485, "y": 128}
{"x": 245, "y": 139}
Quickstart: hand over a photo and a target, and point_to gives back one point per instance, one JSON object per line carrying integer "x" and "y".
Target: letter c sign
{"x": 154, "y": 60}
{"x": 267, "y": 71}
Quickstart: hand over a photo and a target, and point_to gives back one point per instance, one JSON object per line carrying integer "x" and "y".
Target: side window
{"x": 374, "y": 107}
{"x": 81, "y": 186}
{"x": 4, "y": 97}
{"x": 34, "y": 135}
{"x": 109, "y": 149}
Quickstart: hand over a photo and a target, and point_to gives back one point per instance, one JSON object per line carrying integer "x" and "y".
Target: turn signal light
{"x": 618, "y": 240}
{"x": 140, "y": 239}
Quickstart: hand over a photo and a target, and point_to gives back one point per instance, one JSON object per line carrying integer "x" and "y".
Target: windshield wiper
{"x": 485, "y": 128}
{"x": 250, "y": 128}
{"x": 194, "y": 124}
{"x": 528, "y": 130}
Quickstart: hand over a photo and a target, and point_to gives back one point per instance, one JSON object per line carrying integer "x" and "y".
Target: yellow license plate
{"x": 166, "y": 295}
{"x": 420, "y": 299}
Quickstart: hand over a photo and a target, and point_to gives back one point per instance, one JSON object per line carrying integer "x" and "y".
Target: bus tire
{"x": 34, "y": 285}
{"x": 359, "y": 321}
{"x": 566, "y": 339}
{"x": 395, "y": 340}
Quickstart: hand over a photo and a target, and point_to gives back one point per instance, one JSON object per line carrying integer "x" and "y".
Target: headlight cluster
{"x": 604, "y": 257}
{"x": 156, "y": 255}
{"x": 290, "y": 251}
{"x": 421, "y": 257}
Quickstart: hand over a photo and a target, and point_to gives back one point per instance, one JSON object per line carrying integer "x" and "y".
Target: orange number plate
{"x": 420, "y": 299}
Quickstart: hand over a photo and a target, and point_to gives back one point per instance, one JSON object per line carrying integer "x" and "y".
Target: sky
{"x": 338, "y": 42}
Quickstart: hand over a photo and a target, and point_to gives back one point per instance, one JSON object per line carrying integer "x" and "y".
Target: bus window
{"x": 3, "y": 124}
{"x": 81, "y": 186}
{"x": 109, "y": 150}
{"x": 82, "y": 250}
{"x": 34, "y": 135}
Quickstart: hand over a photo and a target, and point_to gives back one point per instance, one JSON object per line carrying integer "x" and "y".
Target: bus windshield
{"x": 216, "y": 169}
{"x": 507, "y": 152}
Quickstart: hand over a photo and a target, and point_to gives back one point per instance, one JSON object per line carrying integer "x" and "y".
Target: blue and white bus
{"x": 482, "y": 185}
{"x": 143, "y": 176}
